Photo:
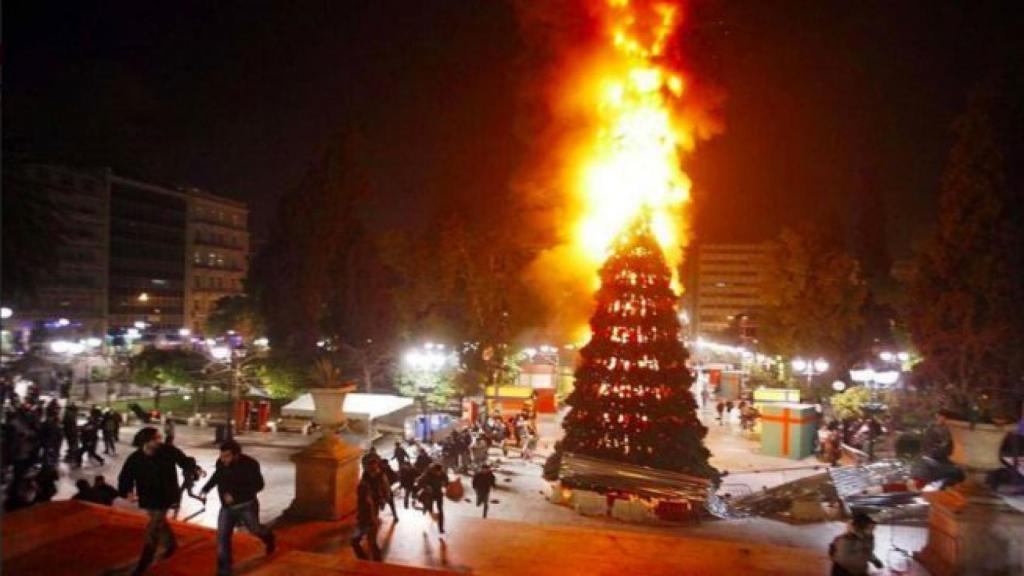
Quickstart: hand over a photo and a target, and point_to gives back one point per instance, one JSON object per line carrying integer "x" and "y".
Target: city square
{"x": 572, "y": 287}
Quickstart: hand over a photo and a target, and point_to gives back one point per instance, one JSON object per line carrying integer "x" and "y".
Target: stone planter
{"x": 977, "y": 448}
{"x": 326, "y": 472}
{"x": 328, "y": 405}
{"x": 970, "y": 529}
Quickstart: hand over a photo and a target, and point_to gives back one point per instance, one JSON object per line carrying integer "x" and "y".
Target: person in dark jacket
{"x": 369, "y": 502}
{"x": 46, "y": 483}
{"x": 423, "y": 461}
{"x": 51, "y": 437}
{"x": 70, "y": 425}
{"x": 483, "y": 482}
{"x": 432, "y": 484}
{"x": 407, "y": 480}
{"x": 102, "y": 492}
{"x": 238, "y": 479}
{"x": 390, "y": 477}
{"x": 149, "y": 476}
{"x": 110, "y": 424}
{"x": 400, "y": 455}
{"x": 85, "y": 493}
{"x": 90, "y": 435}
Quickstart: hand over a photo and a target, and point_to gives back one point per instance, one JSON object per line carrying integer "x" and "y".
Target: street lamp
{"x": 873, "y": 380}
{"x": 809, "y": 368}
{"x": 426, "y": 363}
{"x": 226, "y": 356}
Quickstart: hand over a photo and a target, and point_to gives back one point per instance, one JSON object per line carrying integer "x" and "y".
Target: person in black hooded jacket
{"x": 238, "y": 479}
{"x": 149, "y": 476}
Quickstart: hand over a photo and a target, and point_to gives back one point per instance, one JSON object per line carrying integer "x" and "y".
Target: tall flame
{"x": 632, "y": 161}
{"x": 622, "y": 120}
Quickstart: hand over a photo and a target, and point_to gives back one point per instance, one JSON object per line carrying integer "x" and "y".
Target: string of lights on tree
{"x": 632, "y": 401}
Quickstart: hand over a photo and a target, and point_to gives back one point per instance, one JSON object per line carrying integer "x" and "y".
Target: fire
{"x": 630, "y": 163}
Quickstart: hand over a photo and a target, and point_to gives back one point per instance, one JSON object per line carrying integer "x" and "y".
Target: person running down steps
{"x": 483, "y": 482}
{"x": 238, "y": 479}
{"x": 432, "y": 485}
{"x": 369, "y": 501}
{"x": 149, "y": 476}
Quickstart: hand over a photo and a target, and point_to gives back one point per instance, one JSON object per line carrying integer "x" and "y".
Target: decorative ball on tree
{"x": 632, "y": 401}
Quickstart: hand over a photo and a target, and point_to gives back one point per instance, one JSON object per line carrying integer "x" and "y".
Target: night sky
{"x": 824, "y": 100}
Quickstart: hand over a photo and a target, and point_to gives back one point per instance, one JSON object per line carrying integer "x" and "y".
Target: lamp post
{"x": 809, "y": 368}
{"x": 426, "y": 364}
{"x": 873, "y": 380}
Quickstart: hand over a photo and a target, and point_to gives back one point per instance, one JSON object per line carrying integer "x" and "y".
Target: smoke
{"x": 571, "y": 48}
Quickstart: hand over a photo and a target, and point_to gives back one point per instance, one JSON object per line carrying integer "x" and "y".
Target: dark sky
{"x": 824, "y": 99}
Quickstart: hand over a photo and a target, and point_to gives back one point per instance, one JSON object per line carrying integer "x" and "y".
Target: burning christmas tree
{"x": 632, "y": 401}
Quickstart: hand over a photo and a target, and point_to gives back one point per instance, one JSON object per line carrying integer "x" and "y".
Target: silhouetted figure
{"x": 400, "y": 455}
{"x": 90, "y": 435}
{"x": 102, "y": 492}
{"x": 390, "y": 477}
{"x": 84, "y": 493}
{"x": 407, "y": 480}
{"x": 368, "y": 502}
{"x": 111, "y": 425}
{"x": 483, "y": 482}
{"x": 432, "y": 484}
{"x": 70, "y": 424}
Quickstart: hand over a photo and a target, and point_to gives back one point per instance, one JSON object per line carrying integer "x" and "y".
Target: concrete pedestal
{"x": 326, "y": 478}
{"x": 972, "y": 531}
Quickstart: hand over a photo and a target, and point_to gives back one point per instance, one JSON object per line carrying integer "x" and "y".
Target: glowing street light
{"x": 429, "y": 361}
{"x": 6, "y": 312}
{"x": 220, "y": 352}
{"x": 809, "y": 368}
{"x": 143, "y": 297}
{"x": 874, "y": 380}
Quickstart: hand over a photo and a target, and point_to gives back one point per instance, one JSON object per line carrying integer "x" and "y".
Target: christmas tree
{"x": 632, "y": 401}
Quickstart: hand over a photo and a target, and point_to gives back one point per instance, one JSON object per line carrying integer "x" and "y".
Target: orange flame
{"x": 620, "y": 104}
{"x": 631, "y": 161}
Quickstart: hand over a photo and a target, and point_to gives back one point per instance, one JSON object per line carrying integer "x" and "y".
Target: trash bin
{"x": 220, "y": 433}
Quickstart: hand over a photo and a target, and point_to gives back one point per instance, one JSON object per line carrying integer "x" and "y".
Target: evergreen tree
{"x": 965, "y": 311}
{"x": 632, "y": 401}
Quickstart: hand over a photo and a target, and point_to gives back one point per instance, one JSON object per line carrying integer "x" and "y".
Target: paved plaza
{"x": 520, "y": 497}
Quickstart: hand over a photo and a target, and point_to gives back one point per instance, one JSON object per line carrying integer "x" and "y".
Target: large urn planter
{"x": 327, "y": 472}
{"x": 976, "y": 447}
{"x": 329, "y": 407}
{"x": 971, "y": 530}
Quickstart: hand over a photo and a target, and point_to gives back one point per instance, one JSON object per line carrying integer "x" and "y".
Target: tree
{"x": 632, "y": 401}
{"x": 280, "y": 380}
{"x": 815, "y": 301}
{"x": 322, "y": 276}
{"x": 965, "y": 313}
{"x": 849, "y": 404}
{"x": 157, "y": 369}
{"x": 313, "y": 230}
{"x": 238, "y": 313}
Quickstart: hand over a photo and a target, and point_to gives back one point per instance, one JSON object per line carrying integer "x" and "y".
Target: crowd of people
{"x": 742, "y": 412}
{"x": 35, "y": 430}
{"x": 423, "y": 476}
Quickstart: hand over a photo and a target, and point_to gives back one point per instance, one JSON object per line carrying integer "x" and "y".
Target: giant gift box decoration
{"x": 765, "y": 395}
{"x": 788, "y": 430}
